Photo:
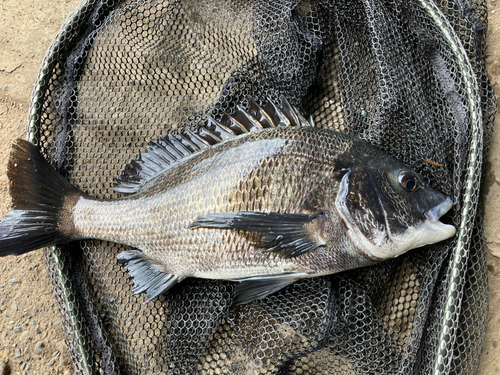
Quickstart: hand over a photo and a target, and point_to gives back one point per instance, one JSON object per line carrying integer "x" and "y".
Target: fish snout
{"x": 435, "y": 213}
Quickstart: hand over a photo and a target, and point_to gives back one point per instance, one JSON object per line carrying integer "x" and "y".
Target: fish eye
{"x": 408, "y": 181}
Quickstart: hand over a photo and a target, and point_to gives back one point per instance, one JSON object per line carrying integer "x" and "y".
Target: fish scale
{"x": 263, "y": 198}
{"x": 176, "y": 208}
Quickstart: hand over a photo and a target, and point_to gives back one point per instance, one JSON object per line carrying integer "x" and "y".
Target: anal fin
{"x": 258, "y": 287}
{"x": 148, "y": 276}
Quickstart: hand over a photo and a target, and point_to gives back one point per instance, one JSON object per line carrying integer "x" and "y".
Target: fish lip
{"x": 430, "y": 231}
{"x": 435, "y": 213}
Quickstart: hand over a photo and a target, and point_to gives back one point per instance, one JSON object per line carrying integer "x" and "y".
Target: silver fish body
{"x": 264, "y": 207}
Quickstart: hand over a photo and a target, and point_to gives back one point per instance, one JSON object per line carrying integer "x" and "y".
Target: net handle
{"x": 457, "y": 267}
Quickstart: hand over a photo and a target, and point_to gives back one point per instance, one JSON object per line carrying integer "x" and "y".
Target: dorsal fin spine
{"x": 166, "y": 155}
{"x": 178, "y": 146}
{"x": 278, "y": 117}
{"x": 169, "y": 144}
{"x": 247, "y": 120}
{"x": 197, "y": 140}
{"x": 209, "y": 136}
{"x": 188, "y": 143}
{"x": 222, "y": 131}
{"x": 260, "y": 115}
{"x": 304, "y": 122}
{"x": 233, "y": 124}
{"x": 256, "y": 125}
{"x": 290, "y": 112}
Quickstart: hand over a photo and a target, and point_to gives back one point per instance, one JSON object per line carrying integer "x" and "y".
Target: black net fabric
{"x": 408, "y": 76}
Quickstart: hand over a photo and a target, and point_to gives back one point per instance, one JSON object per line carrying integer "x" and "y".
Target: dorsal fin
{"x": 170, "y": 150}
{"x": 160, "y": 155}
{"x": 260, "y": 115}
{"x": 222, "y": 131}
{"x": 247, "y": 120}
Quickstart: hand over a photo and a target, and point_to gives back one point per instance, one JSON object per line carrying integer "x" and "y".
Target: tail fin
{"x": 38, "y": 193}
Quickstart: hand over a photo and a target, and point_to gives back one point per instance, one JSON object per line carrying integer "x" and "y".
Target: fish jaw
{"x": 389, "y": 245}
{"x": 434, "y": 213}
{"x": 430, "y": 231}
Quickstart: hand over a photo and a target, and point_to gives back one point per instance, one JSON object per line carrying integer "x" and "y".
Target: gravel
{"x": 39, "y": 347}
{"x": 24, "y": 336}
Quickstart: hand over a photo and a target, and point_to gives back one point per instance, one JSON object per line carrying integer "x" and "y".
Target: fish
{"x": 261, "y": 197}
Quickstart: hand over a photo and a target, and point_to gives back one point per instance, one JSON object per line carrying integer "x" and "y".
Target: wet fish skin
{"x": 270, "y": 171}
{"x": 267, "y": 207}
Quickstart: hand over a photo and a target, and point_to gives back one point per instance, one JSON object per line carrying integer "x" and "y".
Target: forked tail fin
{"x": 38, "y": 193}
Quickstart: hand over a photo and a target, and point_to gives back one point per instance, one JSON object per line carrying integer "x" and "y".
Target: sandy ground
{"x": 29, "y": 318}
{"x": 31, "y": 336}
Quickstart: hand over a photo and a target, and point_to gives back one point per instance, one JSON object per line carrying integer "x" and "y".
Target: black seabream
{"x": 261, "y": 197}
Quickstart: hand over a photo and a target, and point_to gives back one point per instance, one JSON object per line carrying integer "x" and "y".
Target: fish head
{"x": 389, "y": 209}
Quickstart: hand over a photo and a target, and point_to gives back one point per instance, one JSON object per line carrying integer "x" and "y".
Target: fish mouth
{"x": 436, "y": 230}
{"x": 435, "y": 213}
{"x": 430, "y": 231}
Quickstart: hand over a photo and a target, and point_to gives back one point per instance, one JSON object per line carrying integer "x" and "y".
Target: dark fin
{"x": 258, "y": 287}
{"x": 160, "y": 156}
{"x": 148, "y": 276}
{"x": 247, "y": 120}
{"x": 285, "y": 234}
{"x": 233, "y": 124}
{"x": 310, "y": 121}
{"x": 294, "y": 116}
{"x": 279, "y": 118}
{"x": 171, "y": 150}
{"x": 38, "y": 192}
{"x": 260, "y": 115}
{"x": 222, "y": 131}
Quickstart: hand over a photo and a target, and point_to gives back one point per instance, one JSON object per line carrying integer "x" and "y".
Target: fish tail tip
{"x": 38, "y": 193}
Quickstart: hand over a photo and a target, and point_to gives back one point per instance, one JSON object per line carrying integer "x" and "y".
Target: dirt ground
{"x": 31, "y": 336}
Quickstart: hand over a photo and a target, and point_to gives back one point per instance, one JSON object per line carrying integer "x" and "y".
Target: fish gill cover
{"x": 407, "y": 76}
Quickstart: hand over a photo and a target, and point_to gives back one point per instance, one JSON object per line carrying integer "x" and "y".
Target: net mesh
{"x": 408, "y": 76}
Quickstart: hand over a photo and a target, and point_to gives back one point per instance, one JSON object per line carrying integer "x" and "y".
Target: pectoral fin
{"x": 258, "y": 287}
{"x": 148, "y": 277}
{"x": 289, "y": 235}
